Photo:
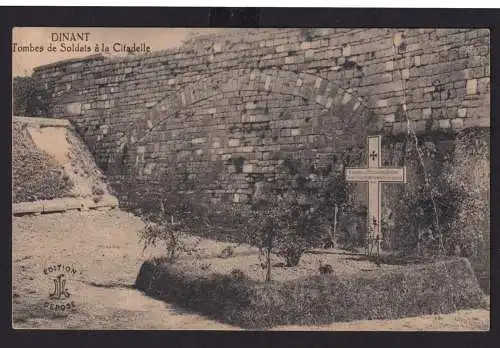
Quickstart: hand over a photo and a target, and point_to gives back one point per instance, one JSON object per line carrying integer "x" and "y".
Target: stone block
{"x": 426, "y": 113}
{"x": 471, "y": 87}
{"x": 317, "y": 83}
{"x": 217, "y": 47}
{"x": 309, "y": 54}
{"x": 382, "y": 103}
{"x": 251, "y": 106}
{"x": 248, "y": 168}
{"x": 416, "y": 60}
{"x": 305, "y": 45}
{"x": 462, "y": 112}
{"x": 267, "y": 84}
{"x": 346, "y": 98}
{"x": 457, "y": 123}
{"x": 452, "y": 112}
{"x": 198, "y": 140}
{"x": 419, "y": 126}
{"x": 329, "y": 102}
{"x": 390, "y": 118}
{"x": 444, "y": 124}
{"x": 414, "y": 114}
{"x": 405, "y": 74}
{"x": 281, "y": 48}
{"x": 404, "y": 127}
{"x": 240, "y": 198}
{"x": 62, "y": 204}
{"x": 27, "y": 207}
{"x": 397, "y": 39}
{"x": 74, "y": 108}
{"x": 483, "y": 84}
{"x": 389, "y": 87}
{"x": 234, "y": 142}
{"x": 346, "y": 51}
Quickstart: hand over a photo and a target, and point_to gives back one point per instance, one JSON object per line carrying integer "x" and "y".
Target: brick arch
{"x": 311, "y": 87}
{"x": 326, "y": 94}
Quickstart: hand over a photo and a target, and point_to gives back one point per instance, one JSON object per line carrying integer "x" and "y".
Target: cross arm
{"x": 387, "y": 174}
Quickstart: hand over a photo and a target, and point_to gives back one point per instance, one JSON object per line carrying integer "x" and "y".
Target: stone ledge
{"x": 62, "y": 205}
{"x": 43, "y": 122}
{"x": 68, "y": 62}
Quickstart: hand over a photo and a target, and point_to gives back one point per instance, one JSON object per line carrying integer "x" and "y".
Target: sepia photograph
{"x": 288, "y": 179}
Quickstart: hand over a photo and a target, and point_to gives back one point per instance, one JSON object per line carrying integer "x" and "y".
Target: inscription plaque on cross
{"x": 375, "y": 175}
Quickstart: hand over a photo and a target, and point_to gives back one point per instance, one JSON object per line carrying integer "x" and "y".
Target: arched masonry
{"x": 311, "y": 87}
{"x": 307, "y": 113}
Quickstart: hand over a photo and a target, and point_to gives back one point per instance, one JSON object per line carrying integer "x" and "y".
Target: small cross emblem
{"x": 373, "y": 155}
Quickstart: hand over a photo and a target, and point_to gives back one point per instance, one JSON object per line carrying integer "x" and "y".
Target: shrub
{"x": 295, "y": 213}
{"x": 459, "y": 182}
{"x": 423, "y": 234}
{"x": 429, "y": 204}
{"x": 470, "y": 230}
{"x": 284, "y": 224}
{"x": 300, "y": 210}
{"x": 162, "y": 227}
{"x": 352, "y": 227}
{"x": 440, "y": 287}
{"x": 450, "y": 215}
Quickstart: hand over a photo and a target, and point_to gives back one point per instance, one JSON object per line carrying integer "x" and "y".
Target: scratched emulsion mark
{"x": 60, "y": 294}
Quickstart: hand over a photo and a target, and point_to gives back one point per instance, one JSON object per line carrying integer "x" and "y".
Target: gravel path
{"x": 103, "y": 250}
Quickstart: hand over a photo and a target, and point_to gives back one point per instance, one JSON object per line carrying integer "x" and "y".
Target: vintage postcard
{"x": 330, "y": 179}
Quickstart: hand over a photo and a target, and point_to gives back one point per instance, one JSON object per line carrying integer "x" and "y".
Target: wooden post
{"x": 335, "y": 224}
{"x": 268, "y": 264}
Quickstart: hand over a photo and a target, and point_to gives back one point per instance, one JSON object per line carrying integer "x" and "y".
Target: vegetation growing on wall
{"x": 35, "y": 174}
{"x": 29, "y": 97}
{"x": 460, "y": 183}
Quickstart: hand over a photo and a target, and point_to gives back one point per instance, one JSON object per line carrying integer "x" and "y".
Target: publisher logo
{"x": 59, "y": 295}
{"x": 60, "y": 290}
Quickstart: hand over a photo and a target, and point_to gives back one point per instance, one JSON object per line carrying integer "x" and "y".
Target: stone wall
{"x": 226, "y": 109}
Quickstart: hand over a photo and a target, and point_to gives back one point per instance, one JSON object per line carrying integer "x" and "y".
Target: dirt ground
{"x": 250, "y": 261}
{"x": 101, "y": 251}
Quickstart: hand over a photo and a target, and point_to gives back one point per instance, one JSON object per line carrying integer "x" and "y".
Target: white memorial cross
{"x": 374, "y": 175}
